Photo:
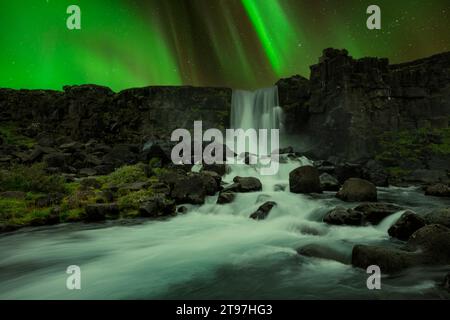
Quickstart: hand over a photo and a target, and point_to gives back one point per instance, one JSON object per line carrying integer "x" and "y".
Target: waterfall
{"x": 256, "y": 109}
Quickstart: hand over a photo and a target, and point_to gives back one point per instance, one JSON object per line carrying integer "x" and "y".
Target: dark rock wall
{"x": 348, "y": 103}
{"x": 90, "y": 111}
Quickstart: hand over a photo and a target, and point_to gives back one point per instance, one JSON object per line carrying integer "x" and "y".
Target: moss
{"x": 11, "y": 209}
{"x": 8, "y": 131}
{"x": 126, "y": 174}
{"x": 72, "y": 215}
{"x": 133, "y": 200}
{"x": 31, "y": 179}
{"x": 399, "y": 149}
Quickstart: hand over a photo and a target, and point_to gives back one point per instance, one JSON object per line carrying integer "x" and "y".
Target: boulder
{"x": 321, "y": 251}
{"x": 328, "y": 182}
{"x": 355, "y": 190}
{"x": 226, "y": 197}
{"x": 433, "y": 242}
{"x": 304, "y": 180}
{"x": 375, "y": 212}
{"x": 191, "y": 188}
{"x": 263, "y": 211}
{"x": 389, "y": 260}
{"x": 157, "y": 207}
{"x": 247, "y": 184}
{"x": 438, "y": 216}
{"x": 101, "y": 211}
{"x": 438, "y": 190}
{"x": 342, "y": 216}
{"x": 406, "y": 225}
{"x": 215, "y": 176}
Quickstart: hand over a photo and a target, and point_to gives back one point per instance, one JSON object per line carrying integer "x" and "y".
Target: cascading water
{"x": 256, "y": 109}
{"x": 214, "y": 251}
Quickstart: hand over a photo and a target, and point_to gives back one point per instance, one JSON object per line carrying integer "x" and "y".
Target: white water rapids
{"x": 212, "y": 252}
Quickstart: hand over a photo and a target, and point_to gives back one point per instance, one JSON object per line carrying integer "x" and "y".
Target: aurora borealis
{"x": 234, "y": 43}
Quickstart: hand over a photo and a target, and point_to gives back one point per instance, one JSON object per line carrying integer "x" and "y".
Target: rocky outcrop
{"x": 90, "y": 111}
{"x": 348, "y": 103}
{"x": 355, "y": 189}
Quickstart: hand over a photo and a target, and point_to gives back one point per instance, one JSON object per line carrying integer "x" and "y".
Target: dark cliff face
{"x": 90, "y": 111}
{"x": 347, "y": 104}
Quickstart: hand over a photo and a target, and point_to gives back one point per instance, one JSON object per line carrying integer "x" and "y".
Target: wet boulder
{"x": 356, "y": 190}
{"x": 433, "y": 242}
{"x": 439, "y": 216}
{"x": 375, "y": 212}
{"x": 389, "y": 260}
{"x": 226, "y": 197}
{"x": 406, "y": 225}
{"x": 247, "y": 184}
{"x": 342, "y": 216}
{"x": 263, "y": 211}
{"x": 304, "y": 180}
{"x": 321, "y": 251}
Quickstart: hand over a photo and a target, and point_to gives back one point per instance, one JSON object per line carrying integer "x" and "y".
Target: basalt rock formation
{"x": 95, "y": 112}
{"x": 348, "y": 103}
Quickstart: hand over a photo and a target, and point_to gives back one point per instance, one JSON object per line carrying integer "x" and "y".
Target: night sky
{"x": 234, "y": 43}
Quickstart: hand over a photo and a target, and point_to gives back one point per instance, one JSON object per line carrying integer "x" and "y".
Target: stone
{"x": 101, "y": 211}
{"x": 328, "y": 182}
{"x": 342, "y": 216}
{"x": 247, "y": 184}
{"x": 438, "y": 216}
{"x": 226, "y": 197}
{"x": 438, "y": 190}
{"x": 356, "y": 190}
{"x": 406, "y": 225}
{"x": 304, "y": 180}
{"x": 375, "y": 212}
{"x": 263, "y": 211}
{"x": 433, "y": 242}
{"x": 388, "y": 259}
{"x": 157, "y": 207}
{"x": 321, "y": 251}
